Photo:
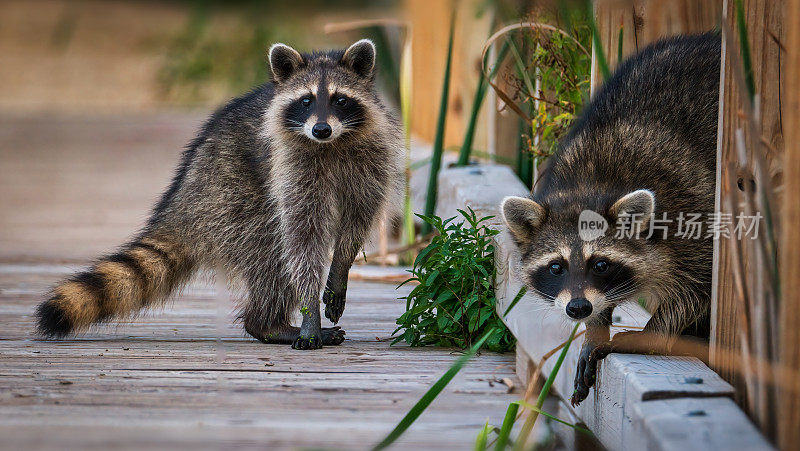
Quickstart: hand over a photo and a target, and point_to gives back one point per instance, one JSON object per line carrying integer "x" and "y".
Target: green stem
{"x": 505, "y": 430}
{"x": 480, "y": 94}
{"x": 597, "y": 44}
{"x": 438, "y": 144}
{"x": 431, "y": 394}
{"x": 532, "y": 416}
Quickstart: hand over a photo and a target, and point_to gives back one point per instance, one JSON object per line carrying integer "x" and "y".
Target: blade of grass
{"x": 438, "y": 144}
{"x": 483, "y": 437}
{"x": 431, "y": 394}
{"x": 513, "y": 304}
{"x": 522, "y": 439}
{"x": 508, "y": 423}
{"x": 619, "y": 43}
{"x": 744, "y": 45}
{"x": 480, "y": 94}
{"x": 553, "y": 417}
{"x": 597, "y": 44}
{"x": 525, "y": 158}
{"x": 405, "y": 108}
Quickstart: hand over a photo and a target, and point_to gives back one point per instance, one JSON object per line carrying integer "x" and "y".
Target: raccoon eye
{"x": 556, "y": 269}
{"x": 341, "y": 101}
{"x": 600, "y": 266}
{"x": 306, "y": 101}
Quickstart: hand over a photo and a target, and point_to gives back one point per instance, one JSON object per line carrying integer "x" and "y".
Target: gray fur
{"x": 269, "y": 205}
{"x": 652, "y": 126}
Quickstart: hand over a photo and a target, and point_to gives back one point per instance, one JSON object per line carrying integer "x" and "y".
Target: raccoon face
{"x": 323, "y": 97}
{"x": 580, "y": 278}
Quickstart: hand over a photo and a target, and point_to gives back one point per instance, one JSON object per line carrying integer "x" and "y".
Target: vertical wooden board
{"x": 789, "y": 414}
{"x": 430, "y": 22}
{"x": 764, "y": 20}
{"x": 646, "y": 21}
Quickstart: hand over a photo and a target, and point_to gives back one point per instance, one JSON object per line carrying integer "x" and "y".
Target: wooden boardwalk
{"x": 187, "y": 377}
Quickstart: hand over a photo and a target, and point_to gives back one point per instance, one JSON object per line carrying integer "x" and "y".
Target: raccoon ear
{"x": 522, "y": 217}
{"x": 639, "y": 204}
{"x": 360, "y": 58}
{"x": 284, "y": 61}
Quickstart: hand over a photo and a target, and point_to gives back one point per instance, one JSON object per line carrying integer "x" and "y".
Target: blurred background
{"x": 98, "y": 97}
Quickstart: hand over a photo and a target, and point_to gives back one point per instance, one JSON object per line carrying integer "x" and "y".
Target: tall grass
{"x": 480, "y": 93}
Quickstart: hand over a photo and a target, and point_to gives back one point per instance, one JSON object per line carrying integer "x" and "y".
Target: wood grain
{"x": 765, "y": 25}
{"x": 176, "y": 379}
{"x": 789, "y": 413}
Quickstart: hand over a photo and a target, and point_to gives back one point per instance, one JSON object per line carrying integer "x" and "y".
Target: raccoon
{"x": 279, "y": 184}
{"x": 644, "y": 146}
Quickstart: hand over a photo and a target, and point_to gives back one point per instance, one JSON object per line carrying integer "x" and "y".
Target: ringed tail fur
{"x": 140, "y": 274}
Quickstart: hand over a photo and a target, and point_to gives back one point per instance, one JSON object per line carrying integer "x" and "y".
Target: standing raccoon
{"x": 276, "y": 181}
{"x": 645, "y": 146}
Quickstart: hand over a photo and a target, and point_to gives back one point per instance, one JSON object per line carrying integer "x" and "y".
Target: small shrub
{"x": 454, "y": 303}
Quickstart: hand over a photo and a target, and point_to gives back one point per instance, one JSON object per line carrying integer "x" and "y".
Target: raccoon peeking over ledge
{"x": 275, "y": 182}
{"x": 642, "y": 152}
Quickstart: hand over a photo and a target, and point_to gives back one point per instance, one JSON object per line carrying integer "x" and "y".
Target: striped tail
{"x": 141, "y": 274}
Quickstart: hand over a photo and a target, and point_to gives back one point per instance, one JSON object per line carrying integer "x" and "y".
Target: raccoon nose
{"x": 579, "y": 308}
{"x": 321, "y": 130}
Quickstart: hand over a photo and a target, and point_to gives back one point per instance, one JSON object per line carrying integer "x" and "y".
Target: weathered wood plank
{"x": 789, "y": 391}
{"x": 176, "y": 379}
{"x": 683, "y": 424}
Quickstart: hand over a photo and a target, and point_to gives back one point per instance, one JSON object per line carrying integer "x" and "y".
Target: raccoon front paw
{"x": 585, "y": 375}
{"x": 304, "y": 342}
{"x": 332, "y": 336}
{"x": 623, "y": 342}
{"x": 334, "y": 305}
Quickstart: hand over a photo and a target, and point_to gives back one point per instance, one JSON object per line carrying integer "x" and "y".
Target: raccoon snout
{"x": 321, "y": 130}
{"x": 579, "y": 308}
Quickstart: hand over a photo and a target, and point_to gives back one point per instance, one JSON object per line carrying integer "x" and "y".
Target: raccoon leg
{"x": 355, "y": 224}
{"x": 597, "y": 333}
{"x": 659, "y": 336}
{"x": 336, "y": 288}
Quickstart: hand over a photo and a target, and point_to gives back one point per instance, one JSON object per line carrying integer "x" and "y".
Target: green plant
{"x": 454, "y": 302}
{"x": 548, "y": 81}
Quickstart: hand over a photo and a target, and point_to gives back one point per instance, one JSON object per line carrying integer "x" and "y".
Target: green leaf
{"x": 483, "y": 437}
{"x": 430, "y": 395}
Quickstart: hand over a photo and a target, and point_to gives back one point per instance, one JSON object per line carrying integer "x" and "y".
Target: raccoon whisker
{"x": 535, "y": 309}
{"x": 622, "y": 289}
{"x": 543, "y": 295}
{"x": 624, "y": 286}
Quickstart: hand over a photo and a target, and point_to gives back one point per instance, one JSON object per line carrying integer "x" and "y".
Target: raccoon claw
{"x": 307, "y": 342}
{"x": 585, "y": 375}
{"x": 329, "y": 336}
{"x": 334, "y": 305}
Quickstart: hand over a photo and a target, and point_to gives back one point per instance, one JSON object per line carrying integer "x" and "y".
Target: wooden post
{"x": 645, "y": 21}
{"x": 765, "y": 29}
{"x": 789, "y": 413}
